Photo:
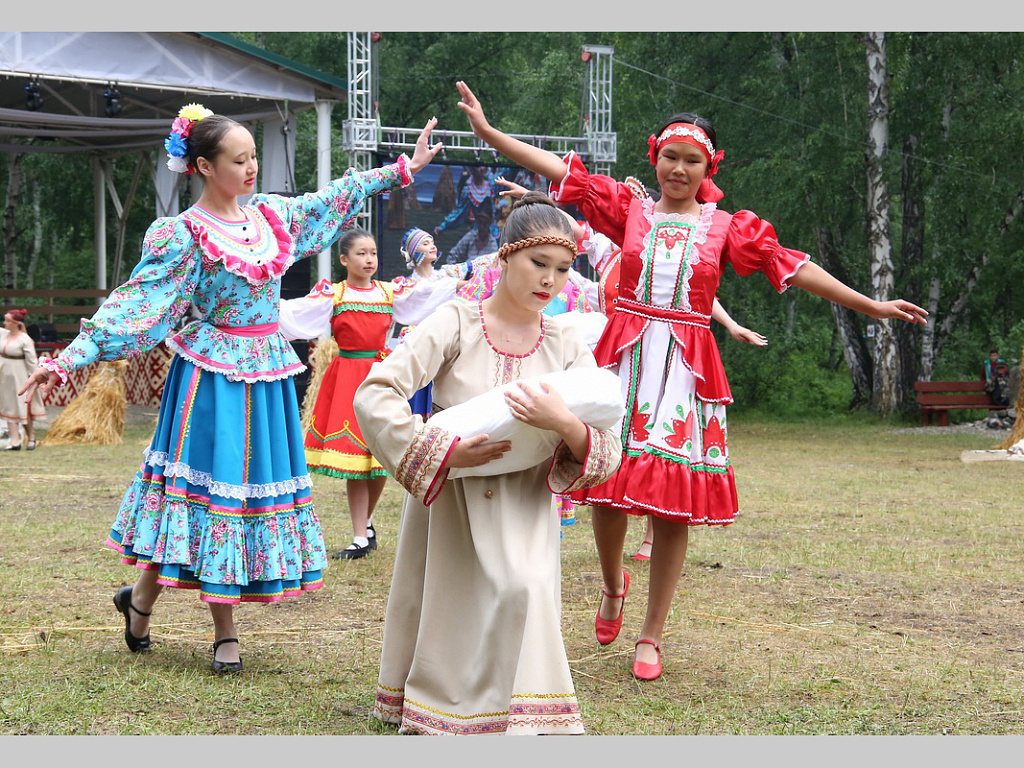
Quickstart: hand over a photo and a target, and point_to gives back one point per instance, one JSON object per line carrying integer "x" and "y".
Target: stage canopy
{"x": 154, "y": 74}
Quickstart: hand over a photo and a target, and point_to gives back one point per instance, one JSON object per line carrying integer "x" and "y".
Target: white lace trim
{"x": 693, "y": 133}
{"x": 702, "y": 225}
{"x": 629, "y": 502}
{"x": 787, "y": 278}
{"x": 218, "y": 488}
{"x": 54, "y": 367}
{"x": 234, "y": 375}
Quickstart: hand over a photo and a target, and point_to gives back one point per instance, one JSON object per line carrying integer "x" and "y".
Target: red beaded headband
{"x": 529, "y": 242}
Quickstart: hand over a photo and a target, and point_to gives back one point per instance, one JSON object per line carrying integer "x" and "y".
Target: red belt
{"x": 665, "y": 314}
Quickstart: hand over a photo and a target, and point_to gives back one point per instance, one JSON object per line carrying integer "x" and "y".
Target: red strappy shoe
{"x": 608, "y": 629}
{"x": 638, "y": 555}
{"x": 643, "y": 670}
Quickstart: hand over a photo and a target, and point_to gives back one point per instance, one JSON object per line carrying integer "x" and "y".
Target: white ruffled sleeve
{"x": 310, "y": 316}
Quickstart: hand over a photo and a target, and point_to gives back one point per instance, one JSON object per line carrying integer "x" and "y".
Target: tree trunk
{"x": 954, "y": 315}
{"x": 855, "y": 350}
{"x": 912, "y": 258}
{"x": 37, "y": 236}
{"x": 10, "y": 232}
{"x": 886, "y": 363}
{"x": 928, "y": 331}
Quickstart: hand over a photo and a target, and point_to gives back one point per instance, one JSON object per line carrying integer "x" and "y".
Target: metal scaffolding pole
{"x": 601, "y": 139}
{"x": 359, "y": 133}
{"x": 363, "y": 137}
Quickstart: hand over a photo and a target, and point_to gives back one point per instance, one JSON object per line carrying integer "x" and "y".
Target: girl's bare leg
{"x": 610, "y": 528}
{"x": 645, "y": 546}
{"x": 667, "y": 557}
{"x": 375, "y": 488}
{"x": 360, "y": 493}
{"x": 358, "y": 502}
{"x": 14, "y": 432}
{"x": 224, "y": 627}
{"x": 145, "y": 591}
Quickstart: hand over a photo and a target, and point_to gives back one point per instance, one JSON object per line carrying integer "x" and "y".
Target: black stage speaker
{"x": 41, "y": 332}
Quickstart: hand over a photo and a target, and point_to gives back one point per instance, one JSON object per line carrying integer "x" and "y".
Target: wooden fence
{"x": 61, "y": 308}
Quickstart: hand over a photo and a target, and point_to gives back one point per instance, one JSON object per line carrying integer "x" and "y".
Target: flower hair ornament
{"x": 177, "y": 143}
{"x": 694, "y": 136}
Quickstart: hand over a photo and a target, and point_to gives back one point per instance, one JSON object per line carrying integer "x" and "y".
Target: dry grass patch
{"x": 871, "y": 586}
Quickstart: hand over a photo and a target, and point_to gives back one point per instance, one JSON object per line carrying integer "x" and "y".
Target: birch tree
{"x": 886, "y": 362}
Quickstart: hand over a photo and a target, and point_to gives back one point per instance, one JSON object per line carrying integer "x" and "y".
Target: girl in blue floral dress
{"x": 221, "y": 503}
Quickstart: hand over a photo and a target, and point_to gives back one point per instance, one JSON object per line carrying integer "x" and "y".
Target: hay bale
{"x": 96, "y": 415}
{"x": 323, "y": 352}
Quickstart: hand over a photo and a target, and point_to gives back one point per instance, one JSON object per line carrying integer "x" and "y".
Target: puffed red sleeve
{"x": 603, "y": 201}
{"x": 751, "y": 246}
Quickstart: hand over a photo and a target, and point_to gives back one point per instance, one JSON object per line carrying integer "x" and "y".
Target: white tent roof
{"x": 155, "y": 74}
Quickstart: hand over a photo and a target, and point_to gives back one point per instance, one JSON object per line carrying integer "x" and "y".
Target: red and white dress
{"x": 675, "y": 460}
{"x": 360, "y": 320}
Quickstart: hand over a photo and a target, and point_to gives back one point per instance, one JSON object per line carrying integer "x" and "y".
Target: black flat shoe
{"x": 352, "y": 552}
{"x": 225, "y": 667}
{"x": 371, "y": 535}
{"x": 13, "y": 447}
{"x": 123, "y": 603}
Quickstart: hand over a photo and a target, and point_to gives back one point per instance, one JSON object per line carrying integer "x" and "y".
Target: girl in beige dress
{"x": 17, "y": 362}
{"x": 472, "y": 637}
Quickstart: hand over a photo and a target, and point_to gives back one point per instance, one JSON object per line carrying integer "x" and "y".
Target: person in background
{"x": 17, "y": 362}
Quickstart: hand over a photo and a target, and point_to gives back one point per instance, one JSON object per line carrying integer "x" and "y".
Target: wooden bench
{"x": 938, "y": 398}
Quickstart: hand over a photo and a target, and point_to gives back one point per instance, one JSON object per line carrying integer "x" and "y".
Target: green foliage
{"x": 790, "y": 378}
{"x": 790, "y": 109}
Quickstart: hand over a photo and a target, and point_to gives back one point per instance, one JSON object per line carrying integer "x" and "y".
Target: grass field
{"x": 871, "y": 586}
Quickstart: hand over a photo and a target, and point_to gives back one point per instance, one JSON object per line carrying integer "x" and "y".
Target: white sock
{"x": 360, "y": 541}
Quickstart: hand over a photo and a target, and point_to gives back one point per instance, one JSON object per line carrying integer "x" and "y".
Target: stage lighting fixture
{"x": 113, "y": 98}
{"x": 33, "y": 96}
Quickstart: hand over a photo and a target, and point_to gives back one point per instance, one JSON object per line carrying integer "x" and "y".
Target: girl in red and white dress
{"x": 358, "y": 312}
{"x": 675, "y": 463}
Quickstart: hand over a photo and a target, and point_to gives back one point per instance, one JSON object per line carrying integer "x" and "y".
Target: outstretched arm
{"x": 538, "y": 160}
{"x": 813, "y": 278}
{"x": 737, "y": 331}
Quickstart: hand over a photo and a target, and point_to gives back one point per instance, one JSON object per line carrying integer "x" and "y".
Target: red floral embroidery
{"x": 681, "y": 430}
{"x": 714, "y": 436}
{"x": 638, "y": 424}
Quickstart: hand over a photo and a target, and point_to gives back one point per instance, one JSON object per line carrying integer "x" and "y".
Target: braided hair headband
{"x": 177, "y": 143}
{"x": 529, "y": 242}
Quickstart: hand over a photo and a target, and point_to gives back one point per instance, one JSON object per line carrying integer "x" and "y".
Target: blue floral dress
{"x": 222, "y": 500}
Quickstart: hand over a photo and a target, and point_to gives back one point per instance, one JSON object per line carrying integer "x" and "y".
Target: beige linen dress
{"x": 472, "y": 634}
{"x": 17, "y": 363}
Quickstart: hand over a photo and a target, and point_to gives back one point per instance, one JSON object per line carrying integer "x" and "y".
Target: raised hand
{"x": 514, "y": 190}
{"x": 424, "y": 153}
{"x": 474, "y": 111}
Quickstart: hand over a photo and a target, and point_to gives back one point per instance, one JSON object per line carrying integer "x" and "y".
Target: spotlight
{"x": 113, "y": 98}
{"x": 33, "y": 96}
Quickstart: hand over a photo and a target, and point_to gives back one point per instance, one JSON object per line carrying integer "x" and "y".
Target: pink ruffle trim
{"x": 253, "y": 273}
{"x": 55, "y": 367}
